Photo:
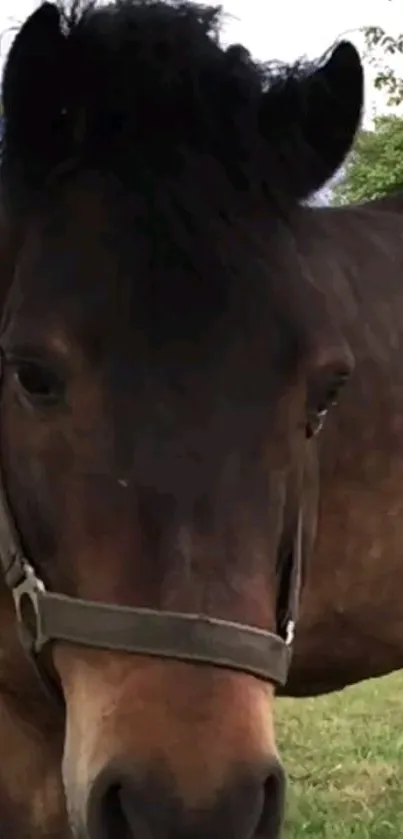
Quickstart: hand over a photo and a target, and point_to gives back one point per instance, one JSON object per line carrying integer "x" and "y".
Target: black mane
{"x": 138, "y": 88}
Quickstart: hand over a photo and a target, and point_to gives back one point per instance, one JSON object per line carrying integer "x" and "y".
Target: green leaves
{"x": 380, "y": 46}
{"x": 375, "y": 167}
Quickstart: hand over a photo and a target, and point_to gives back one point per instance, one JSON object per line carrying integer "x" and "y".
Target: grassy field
{"x": 344, "y": 756}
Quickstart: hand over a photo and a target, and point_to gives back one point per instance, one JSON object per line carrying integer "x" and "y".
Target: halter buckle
{"x": 27, "y": 596}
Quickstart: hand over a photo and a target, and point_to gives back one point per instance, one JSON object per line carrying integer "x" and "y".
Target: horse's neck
{"x": 359, "y": 266}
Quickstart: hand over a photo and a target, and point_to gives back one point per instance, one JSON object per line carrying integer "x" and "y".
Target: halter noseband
{"x": 44, "y": 616}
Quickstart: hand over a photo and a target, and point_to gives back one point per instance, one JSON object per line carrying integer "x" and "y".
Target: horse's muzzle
{"x": 127, "y": 804}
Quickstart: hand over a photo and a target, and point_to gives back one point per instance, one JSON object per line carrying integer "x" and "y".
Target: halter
{"x": 44, "y": 617}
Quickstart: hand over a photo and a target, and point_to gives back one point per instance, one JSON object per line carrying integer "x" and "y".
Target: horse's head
{"x": 164, "y": 355}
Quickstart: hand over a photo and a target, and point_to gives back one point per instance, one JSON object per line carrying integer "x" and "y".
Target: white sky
{"x": 285, "y": 30}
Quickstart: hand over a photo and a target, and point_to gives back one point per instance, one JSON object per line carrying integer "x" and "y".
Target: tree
{"x": 382, "y": 48}
{"x": 375, "y": 167}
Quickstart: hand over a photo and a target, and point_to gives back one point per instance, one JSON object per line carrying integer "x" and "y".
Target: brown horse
{"x": 351, "y": 618}
{"x": 175, "y": 324}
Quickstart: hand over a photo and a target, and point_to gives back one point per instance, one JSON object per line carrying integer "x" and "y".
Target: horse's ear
{"x": 32, "y": 84}
{"x": 315, "y": 118}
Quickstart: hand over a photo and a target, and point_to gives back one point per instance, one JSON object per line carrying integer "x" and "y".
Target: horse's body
{"x": 174, "y": 326}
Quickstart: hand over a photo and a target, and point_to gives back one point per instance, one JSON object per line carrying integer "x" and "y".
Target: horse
{"x": 175, "y": 325}
{"x": 351, "y": 620}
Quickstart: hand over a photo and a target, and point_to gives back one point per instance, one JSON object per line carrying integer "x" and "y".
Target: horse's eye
{"x": 39, "y": 383}
{"x": 322, "y": 395}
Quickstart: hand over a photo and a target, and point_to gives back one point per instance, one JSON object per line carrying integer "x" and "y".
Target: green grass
{"x": 344, "y": 757}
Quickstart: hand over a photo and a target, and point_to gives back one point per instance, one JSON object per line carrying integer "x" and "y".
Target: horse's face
{"x": 153, "y": 448}
{"x": 158, "y": 384}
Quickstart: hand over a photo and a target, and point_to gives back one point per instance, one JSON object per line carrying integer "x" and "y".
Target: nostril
{"x": 272, "y": 816}
{"x": 120, "y": 809}
{"x": 112, "y": 815}
{"x": 108, "y": 816}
